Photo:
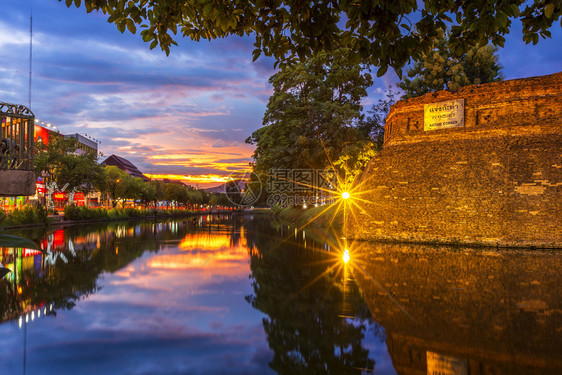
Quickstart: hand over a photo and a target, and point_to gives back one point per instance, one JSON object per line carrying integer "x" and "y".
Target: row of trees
{"x": 120, "y": 187}
{"x": 59, "y": 163}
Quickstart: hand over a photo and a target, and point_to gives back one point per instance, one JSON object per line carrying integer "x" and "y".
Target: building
{"x": 85, "y": 144}
{"x": 124, "y": 165}
{"x": 222, "y": 188}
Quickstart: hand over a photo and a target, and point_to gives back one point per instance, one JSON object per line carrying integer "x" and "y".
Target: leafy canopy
{"x": 384, "y": 33}
{"x": 311, "y": 116}
{"x": 440, "y": 69}
{"x": 60, "y": 162}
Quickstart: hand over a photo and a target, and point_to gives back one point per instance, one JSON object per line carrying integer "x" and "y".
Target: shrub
{"x": 26, "y": 215}
{"x": 84, "y": 213}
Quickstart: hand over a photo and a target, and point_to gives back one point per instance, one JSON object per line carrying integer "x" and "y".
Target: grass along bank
{"x": 316, "y": 217}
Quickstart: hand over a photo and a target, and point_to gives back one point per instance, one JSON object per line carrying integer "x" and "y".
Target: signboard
{"x": 439, "y": 364}
{"x": 443, "y": 115}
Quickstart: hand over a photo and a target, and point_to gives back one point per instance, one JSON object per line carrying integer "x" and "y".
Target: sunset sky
{"x": 185, "y": 115}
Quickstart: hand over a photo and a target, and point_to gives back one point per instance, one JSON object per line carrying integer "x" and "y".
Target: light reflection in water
{"x": 173, "y": 284}
{"x": 176, "y": 296}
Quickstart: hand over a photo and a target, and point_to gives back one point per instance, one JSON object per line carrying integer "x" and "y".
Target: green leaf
{"x": 153, "y": 44}
{"x": 515, "y": 9}
{"x": 207, "y": 10}
{"x": 68, "y": 3}
{"x": 8, "y": 240}
{"x": 131, "y": 26}
{"x": 502, "y": 19}
{"x": 255, "y": 54}
{"x": 382, "y": 70}
{"x": 548, "y": 10}
{"x": 77, "y": 3}
{"x": 146, "y": 36}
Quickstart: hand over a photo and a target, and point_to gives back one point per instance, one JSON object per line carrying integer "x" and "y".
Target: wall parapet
{"x": 519, "y": 106}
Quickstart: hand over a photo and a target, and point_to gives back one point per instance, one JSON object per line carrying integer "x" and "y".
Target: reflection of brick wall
{"x": 500, "y": 311}
{"x": 495, "y": 181}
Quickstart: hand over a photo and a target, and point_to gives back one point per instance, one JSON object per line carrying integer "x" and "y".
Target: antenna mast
{"x": 30, "y": 54}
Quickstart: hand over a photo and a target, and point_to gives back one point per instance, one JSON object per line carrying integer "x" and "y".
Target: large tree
{"x": 440, "y": 69}
{"x": 383, "y": 33}
{"x": 311, "y": 115}
{"x": 117, "y": 185}
{"x": 60, "y": 162}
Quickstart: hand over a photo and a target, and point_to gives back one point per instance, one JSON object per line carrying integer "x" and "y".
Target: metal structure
{"x": 16, "y": 137}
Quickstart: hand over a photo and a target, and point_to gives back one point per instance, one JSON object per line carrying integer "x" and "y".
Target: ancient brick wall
{"x": 497, "y": 180}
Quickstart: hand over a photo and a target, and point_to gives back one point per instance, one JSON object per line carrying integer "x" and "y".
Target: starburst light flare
{"x": 346, "y": 256}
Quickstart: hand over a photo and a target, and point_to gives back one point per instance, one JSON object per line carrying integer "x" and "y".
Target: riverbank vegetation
{"x": 24, "y": 216}
{"x": 320, "y": 217}
{"x": 85, "y": 213}
{"x": 40, "y": 216}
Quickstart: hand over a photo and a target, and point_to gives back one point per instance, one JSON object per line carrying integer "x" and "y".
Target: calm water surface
{"x": 245, "y": 295}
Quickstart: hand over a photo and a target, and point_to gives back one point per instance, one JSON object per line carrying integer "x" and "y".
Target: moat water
{"x": 247, "y": 295}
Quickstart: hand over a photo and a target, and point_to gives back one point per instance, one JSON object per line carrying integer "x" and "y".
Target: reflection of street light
{"x": 346, "y": 256}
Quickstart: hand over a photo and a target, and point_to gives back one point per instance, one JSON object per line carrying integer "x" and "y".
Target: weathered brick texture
{"x": 495, "y": 181}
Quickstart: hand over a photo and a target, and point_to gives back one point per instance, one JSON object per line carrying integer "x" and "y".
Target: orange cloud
{"x": 199, "y": 179}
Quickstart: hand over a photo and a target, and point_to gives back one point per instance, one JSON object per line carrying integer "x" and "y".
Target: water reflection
{"x": 244, "y": 295}
{"x": 173, "y": 297}
{"x": 316, "y": 320}
{"x": 472, "y": 311}
{"x": 69, "y": 262}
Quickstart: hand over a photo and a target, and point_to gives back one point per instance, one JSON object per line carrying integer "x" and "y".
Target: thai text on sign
{"x": 439, "y": 364}
{"x": 443, "y": 115}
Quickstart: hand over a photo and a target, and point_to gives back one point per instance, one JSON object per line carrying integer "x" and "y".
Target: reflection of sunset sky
{"x": 181, "y": 310}
{"x": 185, "y": 115}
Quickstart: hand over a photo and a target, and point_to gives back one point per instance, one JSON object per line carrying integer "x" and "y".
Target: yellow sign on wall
{"x": 443, "y": 115}
{"x": 439, "y": 364}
